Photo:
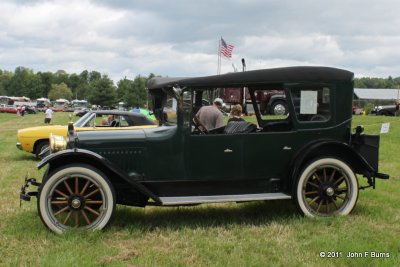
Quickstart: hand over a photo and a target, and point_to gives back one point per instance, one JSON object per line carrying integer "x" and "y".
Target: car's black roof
{"x": 255, "y": 77}
{"x": 139, "y": 118}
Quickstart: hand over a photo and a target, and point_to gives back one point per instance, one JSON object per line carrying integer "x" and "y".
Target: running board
{"x": 221, "y": 198}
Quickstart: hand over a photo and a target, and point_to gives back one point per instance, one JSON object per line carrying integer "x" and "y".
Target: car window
{"x": 312, "y": 104}
{"x": 170, "y": 110}
{"x": 186, "y": 107}
{"x": 123, "y": 122}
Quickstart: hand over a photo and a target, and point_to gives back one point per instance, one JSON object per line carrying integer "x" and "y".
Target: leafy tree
{"x": 47, "y": 79}
{"x": 60, "y": 91}
{"x": 85, "y": 76}
{"x": 61, "y": 76}
{"x": 102, "y": 92}
{"x": 94, "y": 76}
{"x": 5, "y": 78}
{"x": 133, "y": 93}
{"x": 24, "y": 83}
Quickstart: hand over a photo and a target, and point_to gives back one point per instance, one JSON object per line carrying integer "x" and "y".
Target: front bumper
{"x": 23, "y": 195}
{"x": 18, "y": 145}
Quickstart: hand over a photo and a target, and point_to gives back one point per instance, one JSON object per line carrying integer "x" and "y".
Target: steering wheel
{"x": 318, "y": 117}
{"x": 198, "y": 125}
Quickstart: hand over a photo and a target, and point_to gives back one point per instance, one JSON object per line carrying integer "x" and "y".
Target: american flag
{"x": 226, "y": 49}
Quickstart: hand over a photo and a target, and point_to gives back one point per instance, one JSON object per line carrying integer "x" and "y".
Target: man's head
{"x": 218, "y": 102}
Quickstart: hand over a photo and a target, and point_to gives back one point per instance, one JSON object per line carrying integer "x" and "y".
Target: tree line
{"x": 92, "y": 86}
{"x": 378, "y": 83}
{"x": 99, "y": 89}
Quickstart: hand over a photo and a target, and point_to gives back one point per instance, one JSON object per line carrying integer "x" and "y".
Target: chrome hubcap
{"x": 330, "y": 192}
{"x": 76, "y": 203}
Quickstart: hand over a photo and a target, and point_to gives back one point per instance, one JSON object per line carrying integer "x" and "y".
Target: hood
{"x": 43, "y": 130}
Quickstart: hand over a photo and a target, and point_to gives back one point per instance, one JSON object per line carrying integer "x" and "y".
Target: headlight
{"x": 57, "y": 143}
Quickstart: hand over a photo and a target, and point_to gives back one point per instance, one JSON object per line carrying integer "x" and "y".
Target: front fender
{"x": 94, "y": 159}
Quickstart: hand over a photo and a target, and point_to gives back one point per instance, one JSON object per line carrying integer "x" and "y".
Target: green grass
{"x": 247, "y": 234}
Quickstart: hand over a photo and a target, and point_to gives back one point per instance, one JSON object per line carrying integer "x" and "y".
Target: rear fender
{"x": 85, "y": 156}
{"x": 330, "y": 148}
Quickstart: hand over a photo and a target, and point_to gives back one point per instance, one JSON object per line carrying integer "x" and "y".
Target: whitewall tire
{"x": 326, "y": 187}
{"x": 76, "y": 197}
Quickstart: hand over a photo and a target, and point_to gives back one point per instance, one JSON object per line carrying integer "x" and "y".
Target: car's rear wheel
{"x": 76, "y": 197}
{"x": 326, "y": 187}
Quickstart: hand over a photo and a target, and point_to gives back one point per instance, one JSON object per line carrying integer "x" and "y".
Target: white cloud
{"x": 180, "y": 38}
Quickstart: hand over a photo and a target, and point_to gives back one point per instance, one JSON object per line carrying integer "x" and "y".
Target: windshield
{"x": 83, "y": 120}
{"x": 170, "y": 111}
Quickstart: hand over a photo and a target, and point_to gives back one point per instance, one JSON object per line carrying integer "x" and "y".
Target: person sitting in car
{"x": 236, "y": 124}
{"x": 236, "y": 113}
{"x": 211, "y": 116}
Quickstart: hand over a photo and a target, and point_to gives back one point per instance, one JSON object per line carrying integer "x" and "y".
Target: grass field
{"x": 248, "y": 234}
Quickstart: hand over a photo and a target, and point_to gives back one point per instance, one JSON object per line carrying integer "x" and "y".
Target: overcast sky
{"x": 180, "y": 38}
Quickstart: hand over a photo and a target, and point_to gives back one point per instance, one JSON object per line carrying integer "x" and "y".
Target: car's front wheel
{"x": 326, "y": 187}
{"x": 76, "y": 197}
{"x": 40, "y": 147}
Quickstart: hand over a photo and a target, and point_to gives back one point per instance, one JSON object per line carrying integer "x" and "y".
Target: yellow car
{"x": 36, "y": 139}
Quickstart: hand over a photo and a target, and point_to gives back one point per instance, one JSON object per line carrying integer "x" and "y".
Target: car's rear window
{"x": 312, "y": 104}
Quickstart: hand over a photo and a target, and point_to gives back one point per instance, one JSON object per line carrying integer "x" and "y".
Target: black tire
{"x": 39, "y": 147}
{"x": 76, "y": 196}
{"x": 326, "y": 187}
{"x": 279, "y": 108}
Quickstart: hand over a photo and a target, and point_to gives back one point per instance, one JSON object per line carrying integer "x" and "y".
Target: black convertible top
{"x": 258, "y": 77}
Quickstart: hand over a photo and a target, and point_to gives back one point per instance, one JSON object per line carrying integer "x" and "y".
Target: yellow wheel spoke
{"x": 61, "y": 210}
{"x": 94, "y": 202}
{"x": 314, "y": 199}
{"x": 61, "y": 193}
{"x": 59, "y": 202}
{"x": 92, "y": 210}
{"x": 92, "y": 193}
{"x": 85, "y": 187}
{"x": 68, "y": 188}
{"x": 308, "y": 182}
{"x": 67, "y": 218}
{"x": 76, "y": 185}
{"x": 85, "y": 216}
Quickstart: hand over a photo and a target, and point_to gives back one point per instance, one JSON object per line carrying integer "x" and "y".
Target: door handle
{"x": 228, "y": 150}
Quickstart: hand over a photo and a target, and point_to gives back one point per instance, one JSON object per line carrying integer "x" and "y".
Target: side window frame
{"x": 307, "y": 123}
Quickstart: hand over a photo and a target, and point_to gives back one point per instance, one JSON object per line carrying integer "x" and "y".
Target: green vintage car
{"x": 309, "y": 155}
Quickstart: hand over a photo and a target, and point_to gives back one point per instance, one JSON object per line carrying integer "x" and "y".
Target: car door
{"x": 214, "y": 157}
{"x": 267, "y": 157}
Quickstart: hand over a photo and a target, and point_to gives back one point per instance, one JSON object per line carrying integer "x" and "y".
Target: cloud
{"x": 180, "y": 38}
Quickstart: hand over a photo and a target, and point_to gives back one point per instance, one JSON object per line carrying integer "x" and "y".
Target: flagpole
{"x": 219, "y": 57}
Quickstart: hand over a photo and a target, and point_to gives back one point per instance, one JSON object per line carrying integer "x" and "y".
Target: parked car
{"x": 8, "y": 109}
{"x": 387, "y": 110}
{"x": 80, "y": 112}
{"x": 309, "y": 155}
{"x": 36, "y": 139}
{"x": 30, "y": 110}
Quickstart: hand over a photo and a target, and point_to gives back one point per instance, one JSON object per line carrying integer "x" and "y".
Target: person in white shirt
{"x": 48, "y": 115}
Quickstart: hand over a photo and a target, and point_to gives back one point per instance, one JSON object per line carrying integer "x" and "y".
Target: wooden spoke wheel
{"x": 77, "y": 196}
{"x": 327, "y": 187}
